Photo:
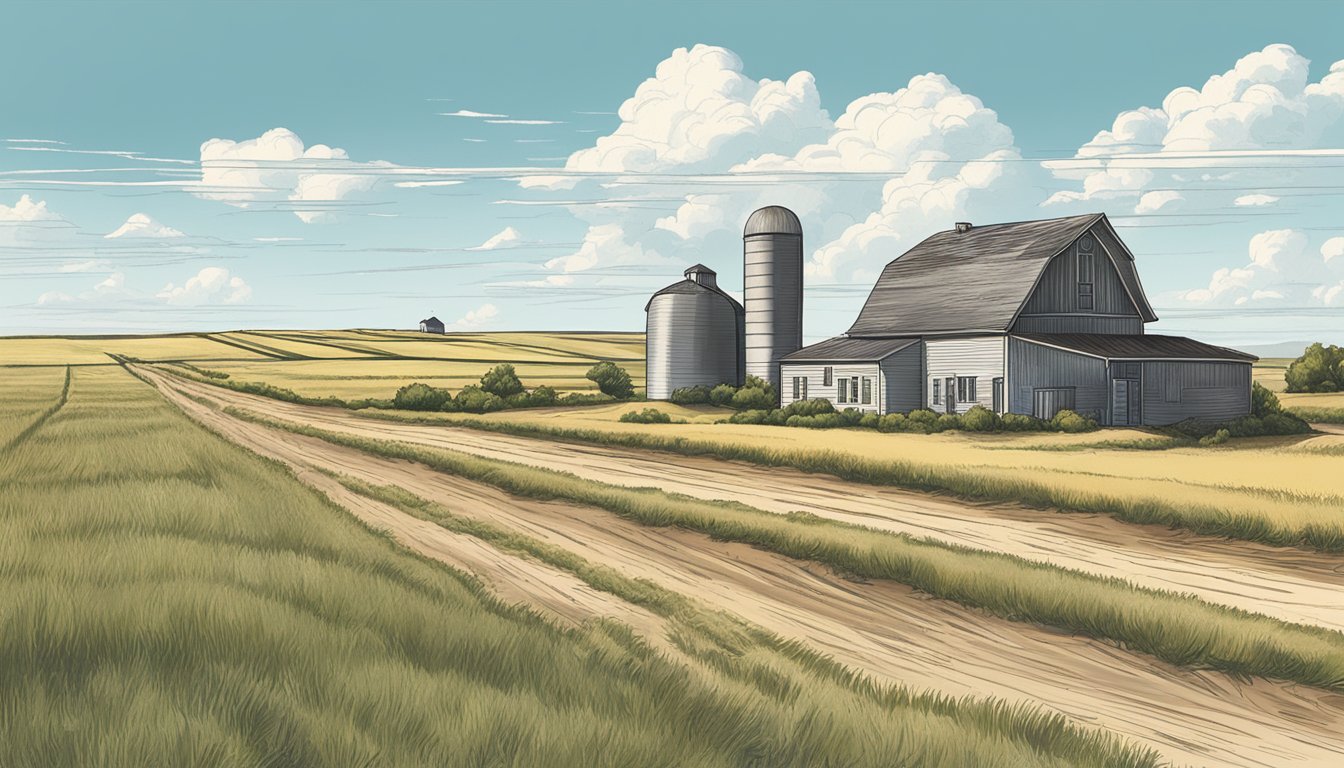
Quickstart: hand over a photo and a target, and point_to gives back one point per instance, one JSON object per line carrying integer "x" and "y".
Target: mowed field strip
{"x": 882, "y": 628}
{"x": 1292, "y": 585}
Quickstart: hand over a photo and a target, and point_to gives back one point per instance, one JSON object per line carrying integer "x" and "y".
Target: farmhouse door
{"x": 1125, "y": 401}
{"x": 950, "y": 387}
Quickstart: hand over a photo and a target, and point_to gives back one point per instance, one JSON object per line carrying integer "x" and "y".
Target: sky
{"x": 516, "y": 166}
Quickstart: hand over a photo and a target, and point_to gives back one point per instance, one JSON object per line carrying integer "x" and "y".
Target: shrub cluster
{"x": 1319, "y": 369}
{"x": 821, "y": 414}
{"x": 499, "y": 389}
{"x": 755, "y": 394}
{"x": 611, "y": 379}
{"x": 646, "y": 416}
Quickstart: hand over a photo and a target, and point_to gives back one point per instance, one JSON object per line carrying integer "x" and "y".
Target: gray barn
{"x": 1029, "y": 317}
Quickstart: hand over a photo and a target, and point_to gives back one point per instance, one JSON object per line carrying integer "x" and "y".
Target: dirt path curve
{"x": 1329, "y": 429}
{"x": 883, "y": 629}
{"x": 1292, "y": 585}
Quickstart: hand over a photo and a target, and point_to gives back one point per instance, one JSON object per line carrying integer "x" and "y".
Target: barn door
{"x": 1120, "y": 396}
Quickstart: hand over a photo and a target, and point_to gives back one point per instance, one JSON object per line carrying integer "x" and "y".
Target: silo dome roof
{"x": 773, "y": 220}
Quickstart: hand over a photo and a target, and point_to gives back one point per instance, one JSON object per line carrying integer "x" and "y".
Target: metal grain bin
{"x": 694, "y": 335}
{"x": 773, "y": 281}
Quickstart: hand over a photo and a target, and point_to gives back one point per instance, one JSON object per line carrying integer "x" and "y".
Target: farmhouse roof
{"x": 841, "y": 349}
{"x": 977, "y": 278}
{"x": 1143, "y": 346}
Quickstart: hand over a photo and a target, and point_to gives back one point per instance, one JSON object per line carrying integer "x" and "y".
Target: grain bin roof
{"x": 1141, "y": 346}
{"x": 846, "y": 350}
{"x": 977, "y": 280}
{"x": 773, "y": 220}
{"x": 690, "y": 286}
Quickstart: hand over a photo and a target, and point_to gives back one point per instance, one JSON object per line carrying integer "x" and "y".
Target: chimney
{"x": 963, "y": 227}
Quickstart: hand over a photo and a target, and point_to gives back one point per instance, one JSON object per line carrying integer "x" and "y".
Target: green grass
{"x": 1318, "y": 415}
{"x": 36, "y": 396}
{"x": 171, "y": 599}
{"x": 960, "y": 481}
{"x": 1179, "y": 629}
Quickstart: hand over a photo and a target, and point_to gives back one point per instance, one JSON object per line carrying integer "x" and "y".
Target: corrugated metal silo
{"x": 694, "y": 335}
{"x": 773, "y": 287}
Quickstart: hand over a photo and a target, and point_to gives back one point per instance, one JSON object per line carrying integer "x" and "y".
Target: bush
{"x": 756, "y": 394}
{"x": 421, "y": 397}
{"x": 922, "y": 419}
{"x": 808, "y": 407}
{"x": 754, "y": 416}
{"x": 1070, "y": 421}
{"x": 584, "y": 398}
{"x": 1217, "y": 438}
{"x": 473, "y": 399}
{"x": 1017, "y": 422}
{"x": 538, "y": 398}
{"x": 501, "y": 381}
{"x": 946, "y": 421}
{"x": 696, "y": 395}
{"x": 820, "y": 421}
{"x": 870, "y": 421}
{"x": 980, "y": 419}
{"x": 722, "y": 395}
{"x": 1264, "y": 402}
{"x": 612, "y": 380}
{"x": 892, "y": 422}
{"x": 1319, "y": 369}
{"x": 646, "y": 416}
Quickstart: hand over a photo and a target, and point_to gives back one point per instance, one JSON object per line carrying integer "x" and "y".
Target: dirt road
{"x": 882, "y": 629}
{"x": 1292, "y": 585}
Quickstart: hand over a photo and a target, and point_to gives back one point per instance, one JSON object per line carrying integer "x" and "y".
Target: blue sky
{"x": 881, "y": 124}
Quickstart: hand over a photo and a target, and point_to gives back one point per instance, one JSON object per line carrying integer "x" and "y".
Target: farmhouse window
{"x": 965, "y": 389}
{"x": 937, "y": 391}
{"x": 827, "y": 376}
{"x": 804, "y": 381}
{"x": 867, "y": 391}
{"x": 797, "y": 387}
{"x": 854, "y": 389}
{"x": 842, "y": 392}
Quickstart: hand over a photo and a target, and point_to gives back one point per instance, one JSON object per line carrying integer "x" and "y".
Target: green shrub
{"x": 696, "y": 395}
{"x": 1319, "y": 369}
{"x": 754, "y": 416}
{"x": 1217, "y": 438}
{"x": 892, "y": 422}
{"x": 756, "y": 393}
{"x": 420, "y": 397}
{"x": 946, "y": 421}
{"x": 870, "y": 421}
{"x": 538, "y": 398}
{"x": 646, "y": 416}
{"x": 923, "y": 418}
{"x": 1263, "y": 401}
{"x": 1017, "y": 422}
{"x": 501, "y": 381}
{"x": 850, "y": 417}
{"x": 473, "y": 399}
{"x": 980, "y": 419}
{"x": 612, "y": 380}
{"x": 722, "y": 395}
{"x": 819, "y": 421}
{"x": 584, "y": 398}
{"x": 1070, "y": 421}
{"x": 808, "y": 407}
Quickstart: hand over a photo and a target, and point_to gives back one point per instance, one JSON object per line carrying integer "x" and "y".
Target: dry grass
{"x": 1175, "y": 628}
{"x": 171, "y": 599}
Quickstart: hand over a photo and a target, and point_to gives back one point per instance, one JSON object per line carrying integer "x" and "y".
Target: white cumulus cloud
{"x": 142, "y": 225}
{"x": 1254, "y": 200}
{"x": 1282, "y": 265}
{"x": 476, "y": 318}
{"x": 212, "y": 285}
{"x": 505, "y": 238}
{"x": 26, "y": 209}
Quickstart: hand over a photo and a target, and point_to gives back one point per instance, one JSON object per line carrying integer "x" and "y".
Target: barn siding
{"x": 1212, "y": 391}
{"x": 1056, "y": 295}
{"x": 978, "y": 356}
{"x": 816, "y": 389}
{"x": 1032, "y": 367}
{"x": 903, "y": 380}
{"x": 1121, "y": 324}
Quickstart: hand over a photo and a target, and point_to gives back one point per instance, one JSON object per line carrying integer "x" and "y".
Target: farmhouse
{"x": 431, "y": 325}
{"x": 1029, "y": 317}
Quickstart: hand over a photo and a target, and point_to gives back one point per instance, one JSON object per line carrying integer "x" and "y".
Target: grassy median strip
{"x": 1179, "y": 629}
{"x": 168, "y": 598}
{"x": 753, "y": 656}
{"x": 1323, "y": 535}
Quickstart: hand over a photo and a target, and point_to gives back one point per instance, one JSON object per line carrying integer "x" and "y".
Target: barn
{"x": 431, "y": 325}
{"x": 1026, "y": 317}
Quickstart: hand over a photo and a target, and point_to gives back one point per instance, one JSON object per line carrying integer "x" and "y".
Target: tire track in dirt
{"x": 1289, "y": 584}
{"x": 882, "y": 628}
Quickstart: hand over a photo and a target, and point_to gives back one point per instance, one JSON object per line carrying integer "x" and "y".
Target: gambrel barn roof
{"x": 978, "y": 280}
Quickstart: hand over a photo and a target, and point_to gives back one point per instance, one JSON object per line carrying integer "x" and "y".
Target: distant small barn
{"x": 431, "y": 325}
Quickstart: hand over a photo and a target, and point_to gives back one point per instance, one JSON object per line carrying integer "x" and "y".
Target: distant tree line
{"x": 500, "y": 389}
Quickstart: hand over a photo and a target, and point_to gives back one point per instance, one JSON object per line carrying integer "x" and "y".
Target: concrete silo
{"x": 773, "y": 287}
{"x": 694, "y": 335}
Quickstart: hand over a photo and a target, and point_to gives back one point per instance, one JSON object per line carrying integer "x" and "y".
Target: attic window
{"x": 1086, "y": 274}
